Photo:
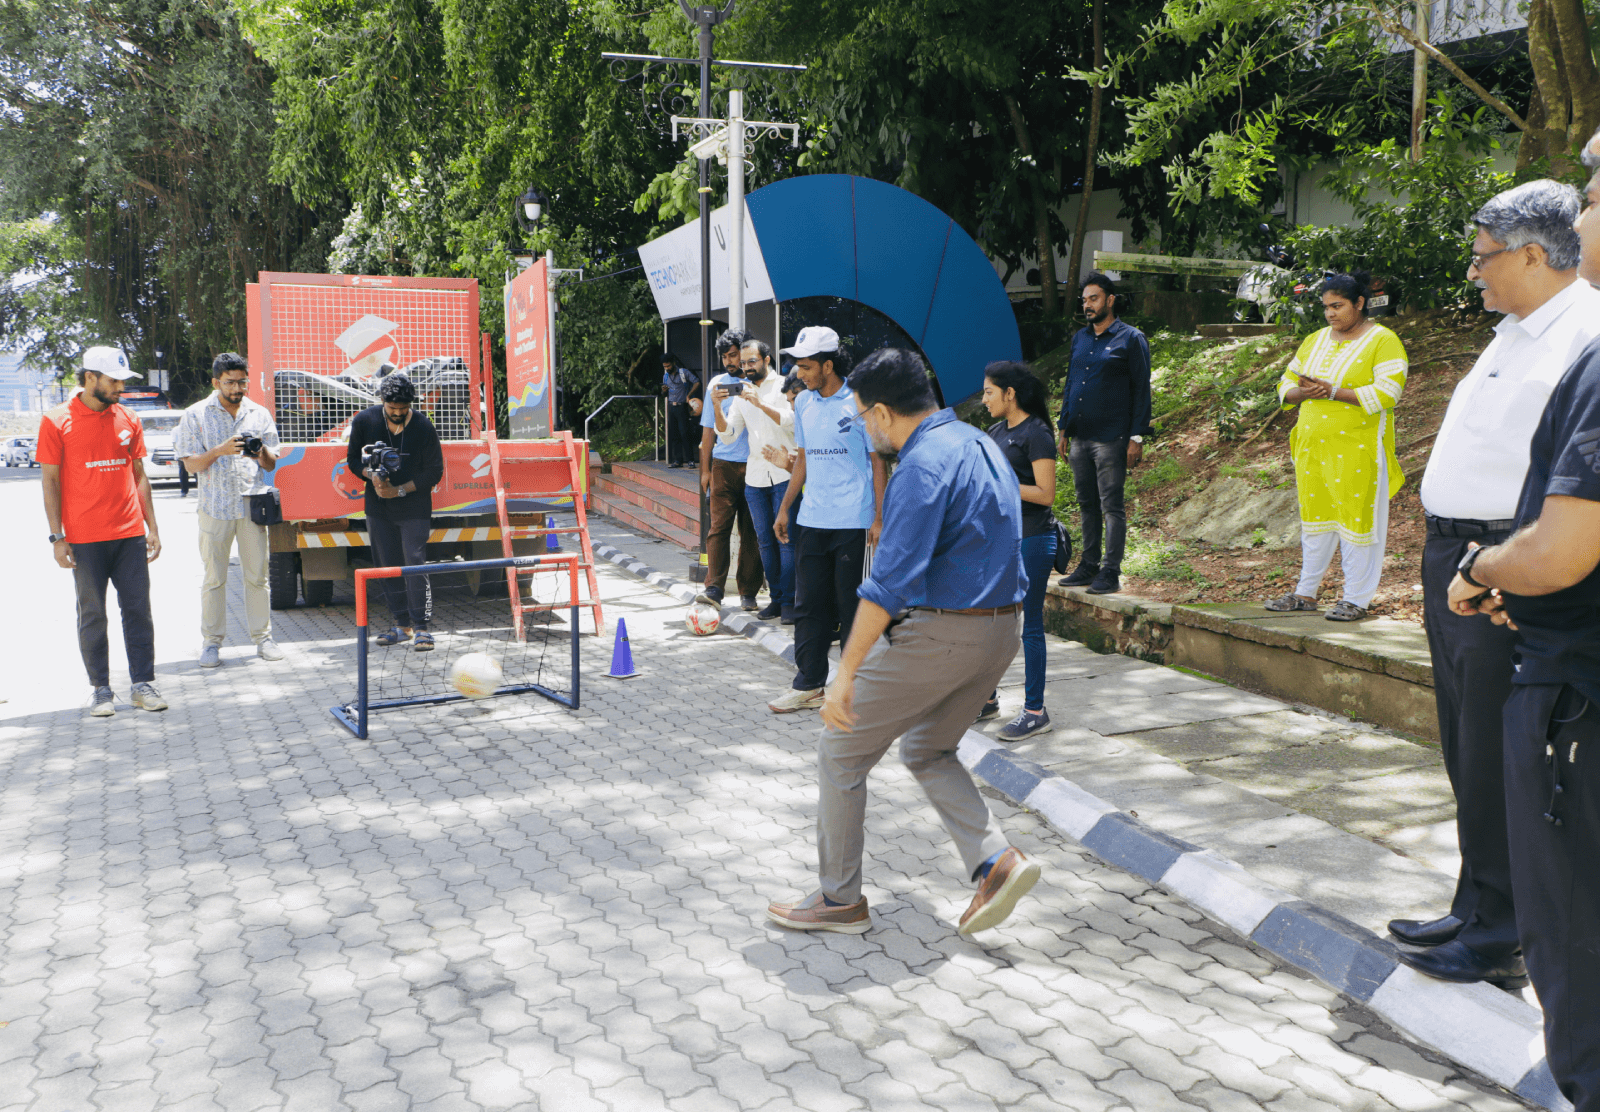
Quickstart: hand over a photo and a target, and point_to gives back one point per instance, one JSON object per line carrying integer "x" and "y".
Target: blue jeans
{"x": 777, "y": 559}
{"x": 1038, "y": 553}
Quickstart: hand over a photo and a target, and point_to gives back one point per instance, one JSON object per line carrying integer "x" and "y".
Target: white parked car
{"x": 159, "y": 427}
{"x": 18, "y": 452}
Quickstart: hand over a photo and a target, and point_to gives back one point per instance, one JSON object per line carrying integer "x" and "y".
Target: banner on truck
{"x": 530, "y": 378}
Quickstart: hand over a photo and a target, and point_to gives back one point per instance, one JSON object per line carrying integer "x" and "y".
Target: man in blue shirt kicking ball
{"x": 938, "y": 623}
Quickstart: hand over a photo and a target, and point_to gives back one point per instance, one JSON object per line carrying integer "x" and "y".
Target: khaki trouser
{"x": 923, "y": 683}
{"x": 216, "y": 542}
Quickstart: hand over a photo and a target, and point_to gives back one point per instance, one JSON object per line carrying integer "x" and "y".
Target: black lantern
{"x": 530, "y": 207}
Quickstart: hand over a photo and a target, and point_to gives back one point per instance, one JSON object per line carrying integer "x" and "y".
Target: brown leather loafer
{"x": 811, "y": 914}
{"x": 1008, "y": 881}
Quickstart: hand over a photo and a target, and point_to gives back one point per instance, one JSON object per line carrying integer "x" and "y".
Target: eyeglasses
{"x": 749, "y": 364}
{"x": 1479, "y": 260}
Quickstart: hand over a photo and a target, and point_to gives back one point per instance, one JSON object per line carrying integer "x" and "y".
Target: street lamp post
{"x": 707, "y": 18}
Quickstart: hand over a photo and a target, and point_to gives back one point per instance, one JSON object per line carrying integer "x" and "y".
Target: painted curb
{"x": 1488, "y": 1031}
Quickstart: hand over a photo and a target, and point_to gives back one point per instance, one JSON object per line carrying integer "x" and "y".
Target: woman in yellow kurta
{"x": 1346, "y": 379}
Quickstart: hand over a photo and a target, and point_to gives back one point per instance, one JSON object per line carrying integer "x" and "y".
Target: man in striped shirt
{"x": 228, "y": 442}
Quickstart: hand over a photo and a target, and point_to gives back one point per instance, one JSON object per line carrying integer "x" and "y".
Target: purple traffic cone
{"x": 621, "y": 655}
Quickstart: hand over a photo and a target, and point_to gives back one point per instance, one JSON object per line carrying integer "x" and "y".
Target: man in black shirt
{"x": 1546, "y": 579}
{"x": 400, "y": 505}
{"x": 1105, "y": 416}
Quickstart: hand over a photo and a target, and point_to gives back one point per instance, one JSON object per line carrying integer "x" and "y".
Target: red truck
{"x": 317, "y": 342}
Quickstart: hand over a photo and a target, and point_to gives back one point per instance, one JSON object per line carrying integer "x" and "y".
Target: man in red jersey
{"x": 103, "y": 522}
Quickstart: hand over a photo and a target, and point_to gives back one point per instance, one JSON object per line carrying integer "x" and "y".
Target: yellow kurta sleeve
{"x": 1388, "y": 374}
{"x": 1291, "y": 373}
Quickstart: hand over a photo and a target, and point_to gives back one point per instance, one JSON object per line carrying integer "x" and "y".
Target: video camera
{"x": 380, "y": 459}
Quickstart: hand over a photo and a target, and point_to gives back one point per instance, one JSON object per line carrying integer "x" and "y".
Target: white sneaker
{"x": 211, "y": 656}
{"x": 792, "y": 700}
{"x": 268, "y": 650}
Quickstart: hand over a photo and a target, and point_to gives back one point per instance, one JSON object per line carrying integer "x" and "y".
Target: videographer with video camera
{"x": 398, "y": 451}
{"x": 226, "y": 441}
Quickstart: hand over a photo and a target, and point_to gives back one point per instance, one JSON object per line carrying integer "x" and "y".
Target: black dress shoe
{"x": 1430, "y": 933}
{"x": 1458, "y": 962}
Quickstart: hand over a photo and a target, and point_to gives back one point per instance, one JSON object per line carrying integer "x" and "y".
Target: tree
{"x": 1278, "y": 76}
{"x": 433, "y": 115}
{"x": 140, "y": 125}
{"x": 979, "y": 109}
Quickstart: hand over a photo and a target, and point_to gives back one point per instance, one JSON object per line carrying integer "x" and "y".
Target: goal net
{"x": 469, "y": 608}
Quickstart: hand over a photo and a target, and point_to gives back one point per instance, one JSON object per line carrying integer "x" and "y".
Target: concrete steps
{"x": 652, "y": 499}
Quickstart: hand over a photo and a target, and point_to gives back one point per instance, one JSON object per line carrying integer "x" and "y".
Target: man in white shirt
{"x": 764, "y": 412}
{"x": 228, "y": 443}
{"x": 1525, "y": 258}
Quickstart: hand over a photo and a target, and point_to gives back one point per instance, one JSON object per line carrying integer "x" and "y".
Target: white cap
{"x": 108, "y": 361}
{"x": 813, "y": 340}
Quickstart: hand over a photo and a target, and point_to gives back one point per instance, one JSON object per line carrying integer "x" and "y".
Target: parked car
{"x": 144, "y": 397}
{"x": 160, "y": 425}
{"x": 18, "y": 452}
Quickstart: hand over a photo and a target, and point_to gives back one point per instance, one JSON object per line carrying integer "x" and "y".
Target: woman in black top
{"x": 1012, "y": 393}
{"x": 400, "y": 505}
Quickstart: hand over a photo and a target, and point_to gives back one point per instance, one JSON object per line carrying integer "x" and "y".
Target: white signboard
{"x": 672, "y": 263}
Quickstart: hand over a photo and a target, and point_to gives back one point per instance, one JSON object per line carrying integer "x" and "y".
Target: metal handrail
{"x": 655, "y": 418}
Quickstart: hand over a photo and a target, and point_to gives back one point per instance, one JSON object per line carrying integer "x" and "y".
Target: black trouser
{"x": 827, "y": 571}
{"x": 122, "y": 563}
{"x": 1553, "y": 864}
{"x": 400, "y": 543}
{"x": 683, "y": 434}
{"x": 1471, "y": 682}
{"x": 1099, "y": 470}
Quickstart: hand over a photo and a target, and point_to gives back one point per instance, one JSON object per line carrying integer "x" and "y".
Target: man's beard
{"x": 1096, "y": 317}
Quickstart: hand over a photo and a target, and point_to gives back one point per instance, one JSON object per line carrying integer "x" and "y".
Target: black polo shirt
{"x": 1560, "y": 632}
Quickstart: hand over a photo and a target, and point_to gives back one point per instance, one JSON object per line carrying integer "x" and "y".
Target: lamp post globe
{"x": 530, "y": 207}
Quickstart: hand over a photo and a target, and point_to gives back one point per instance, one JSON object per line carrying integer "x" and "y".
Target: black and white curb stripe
{"x": 1484, "y": 1029}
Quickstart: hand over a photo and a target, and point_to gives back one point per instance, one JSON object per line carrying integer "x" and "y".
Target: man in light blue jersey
{"x": 842, "y": 512}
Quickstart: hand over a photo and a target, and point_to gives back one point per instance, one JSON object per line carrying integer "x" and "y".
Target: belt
{"x": 981, "y": 611}
{"x": 1466, "y": 527}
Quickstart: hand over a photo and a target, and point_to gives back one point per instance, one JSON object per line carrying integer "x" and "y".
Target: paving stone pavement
{"x": 236, "y": 905}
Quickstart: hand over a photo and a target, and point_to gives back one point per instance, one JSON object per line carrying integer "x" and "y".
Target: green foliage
{"x": 1152, "y": 558}
{"x": 139, "y": 124}
{"x": 42, "y": 306}
{"x": 609, "y": 339}
{"x": 1410, "y": 215}
{"x": 434, "y": 116}
{"x": 1157, "y": 470}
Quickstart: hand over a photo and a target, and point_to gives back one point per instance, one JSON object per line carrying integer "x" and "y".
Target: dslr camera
{"x": 380, "y": 459}
{"x": 250, "y": 445}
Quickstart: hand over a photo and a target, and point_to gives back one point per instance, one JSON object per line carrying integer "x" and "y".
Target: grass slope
{"x": 1218, "y": 416}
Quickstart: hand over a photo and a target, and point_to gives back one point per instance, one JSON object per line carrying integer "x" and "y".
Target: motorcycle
{"x": 1273, "y": 292}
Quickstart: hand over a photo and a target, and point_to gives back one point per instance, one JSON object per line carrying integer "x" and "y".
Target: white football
{"x": 702, "y": 619}
{"x": 476, "y": 675}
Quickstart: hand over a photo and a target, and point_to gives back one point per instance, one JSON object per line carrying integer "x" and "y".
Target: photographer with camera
{"x": 227, "y": 441}
{"x": 397, "y": 449}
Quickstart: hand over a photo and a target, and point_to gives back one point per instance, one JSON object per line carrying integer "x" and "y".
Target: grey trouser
{"x": 923, "y": 683}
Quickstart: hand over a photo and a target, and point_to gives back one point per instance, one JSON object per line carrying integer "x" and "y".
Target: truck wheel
{"x": 317, "y": 592}
{"x": 283, "y": 579}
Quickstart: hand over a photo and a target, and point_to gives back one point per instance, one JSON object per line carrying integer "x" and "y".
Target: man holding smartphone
{"x": 228, "y": 442}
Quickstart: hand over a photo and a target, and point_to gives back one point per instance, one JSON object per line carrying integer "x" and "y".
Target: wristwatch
{"x": 54, "y": 537}
{"x": 1464, "y": 568}
{"x": 1137, "y": 439}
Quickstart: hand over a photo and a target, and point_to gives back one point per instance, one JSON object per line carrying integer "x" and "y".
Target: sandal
{"x": 395, "y": 636}
{"x": 422, "y": 642}
{"x": 1290, "y": 601}
{"x": 1345, "y": 611}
